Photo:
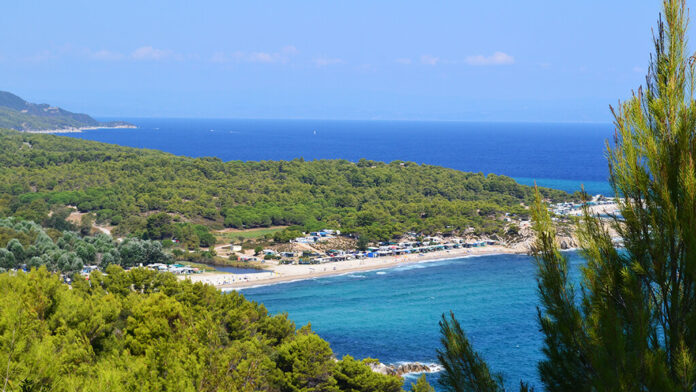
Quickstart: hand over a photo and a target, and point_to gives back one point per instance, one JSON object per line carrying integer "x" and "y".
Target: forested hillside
{"x": 122, "y": 185}
{"x": 147, "y": 331}
{"x": 18, "y": 114}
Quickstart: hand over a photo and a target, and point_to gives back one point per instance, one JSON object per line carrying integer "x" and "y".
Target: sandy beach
{"x": 279, "y": 273}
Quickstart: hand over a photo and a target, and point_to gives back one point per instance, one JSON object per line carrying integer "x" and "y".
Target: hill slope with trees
{"x": 122, "y": 185}
{"x": 18, "y": 114}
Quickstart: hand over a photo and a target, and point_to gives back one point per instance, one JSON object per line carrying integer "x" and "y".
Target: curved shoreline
{"x": 278, "y": 274}
{"x": 273, "y": 282}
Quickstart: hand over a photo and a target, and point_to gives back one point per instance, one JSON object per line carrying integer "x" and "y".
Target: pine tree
{"x": 463, "y": 368}
{"x": 634, "y": 327}
{"x": 422, "y": 385}
{"x": 631, "y": 325}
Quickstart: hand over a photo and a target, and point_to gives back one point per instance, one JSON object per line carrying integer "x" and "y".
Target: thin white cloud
{"x": 289, "y": 50}
{"x": 41, "y": 56}
{"x": 326, "y": 61}
{"x": 429, "y": 59}
{"x": 153, "y": 54}
{"x": 283, "y": 56}
{"x": 105, "y": 55}
{"x": 639, "y": 70}
{"x": 83, "y": 53}
{"x": 403, "y": 61}
{"x": 218, "y": 57}
{"x": 61, "y": 52}
{"x": 261, "y": 57}
{"x": 497, "y": 58}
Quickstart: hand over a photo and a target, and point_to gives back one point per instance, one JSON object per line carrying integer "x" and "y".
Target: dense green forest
{"x": 122, "y": 186}
{"x": 147, "y": 331}
{"x": 25, "y": 243}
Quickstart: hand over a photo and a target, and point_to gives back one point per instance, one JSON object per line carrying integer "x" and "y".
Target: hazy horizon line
{"x": 112, "y": 118}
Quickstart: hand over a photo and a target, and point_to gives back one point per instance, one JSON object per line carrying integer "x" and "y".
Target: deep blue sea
{"x": 561, "y": 156}
{"x": 393, "y": 314}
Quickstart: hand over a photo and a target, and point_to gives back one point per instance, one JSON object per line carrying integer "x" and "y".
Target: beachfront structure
{"x": 158, "y": 267}
{"x": 575, "y": 209}
{"x": 183, "y": 270}
{"x": 402, "y": 248}
{"x": 317, "y": 236}
{"x": 86, "y": 270}
{"x": 305, "y": 240}
{"x": 412, "y": 244}
{"x": 173, "y": 268}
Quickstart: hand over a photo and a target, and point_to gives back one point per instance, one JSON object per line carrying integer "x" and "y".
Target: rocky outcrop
{"x": 405, "y": 368}
{"x": 567, "y": 242}
{"x": 566, "y": 238}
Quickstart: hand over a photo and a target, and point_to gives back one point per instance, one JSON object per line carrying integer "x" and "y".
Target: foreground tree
{"x": 422, "y": 385}
{"x": 463, "y": 368}
{"x": 632, "y": 324}
{"x": 140, "y": 330}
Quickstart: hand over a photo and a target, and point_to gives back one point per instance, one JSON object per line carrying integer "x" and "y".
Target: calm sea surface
{"x": 393, "y": 314}
{"x": 562, "y": 156}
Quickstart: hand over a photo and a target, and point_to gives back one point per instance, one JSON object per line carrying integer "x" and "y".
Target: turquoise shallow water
{"x": 570, "y": 186}
{"x": 393, "y": 314}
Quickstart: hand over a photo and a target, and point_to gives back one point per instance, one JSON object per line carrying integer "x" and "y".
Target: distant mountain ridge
{"x": 18, "y": 114}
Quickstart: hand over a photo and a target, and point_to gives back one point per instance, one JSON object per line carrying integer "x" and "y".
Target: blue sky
{"x": 511, "y": 60}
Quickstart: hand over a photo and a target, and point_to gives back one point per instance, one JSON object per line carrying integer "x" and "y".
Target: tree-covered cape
{"x": 122, "y": 185}
{"x": 147, "y": 331}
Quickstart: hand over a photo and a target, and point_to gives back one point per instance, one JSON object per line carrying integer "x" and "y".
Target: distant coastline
{"x": 23, "y": 116}
{"x": 80, "y": 129}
